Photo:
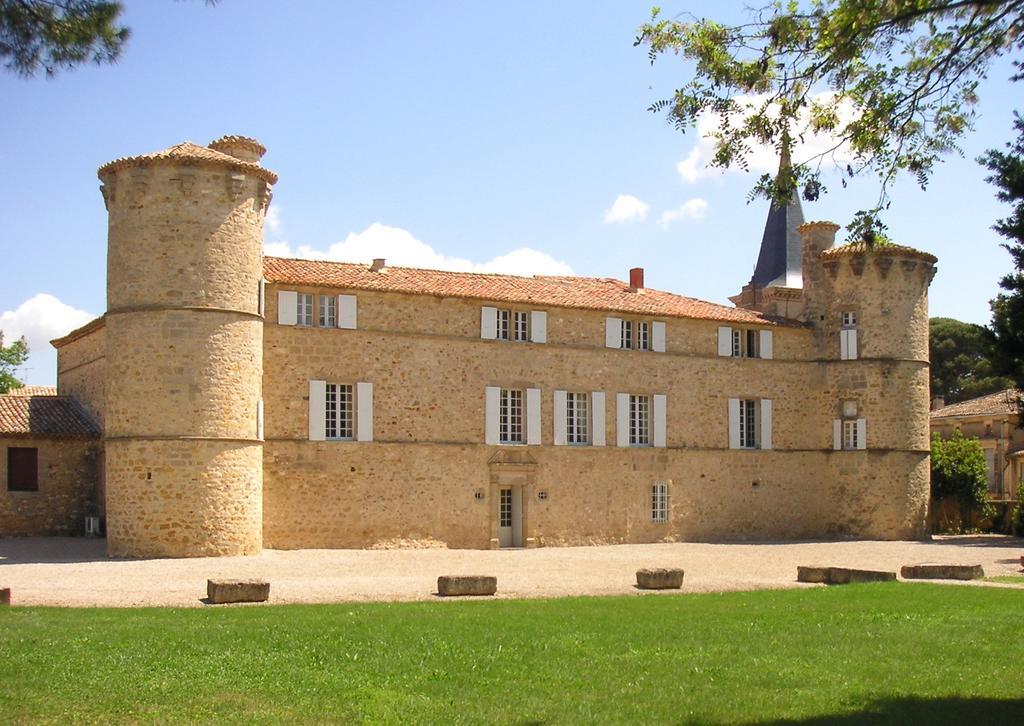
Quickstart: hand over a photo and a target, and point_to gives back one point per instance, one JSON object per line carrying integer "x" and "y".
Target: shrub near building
{"x": 959, "y": 475}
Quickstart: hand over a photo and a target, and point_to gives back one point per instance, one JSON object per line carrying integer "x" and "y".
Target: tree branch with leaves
{"x": 894, "y": 82}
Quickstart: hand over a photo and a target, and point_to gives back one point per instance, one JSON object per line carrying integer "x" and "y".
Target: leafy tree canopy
{"x": 11, "y": 357}
{"x": 1008, "y": 307}
{"x": 959, "y": 472}
{"x": 892, "y": 81}
{"x": 54, "y": 35}
{"x": 961, "y": 356}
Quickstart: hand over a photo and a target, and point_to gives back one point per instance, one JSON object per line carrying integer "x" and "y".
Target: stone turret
{"x": 184, "y": 336}
{"x": 868, "y": 307}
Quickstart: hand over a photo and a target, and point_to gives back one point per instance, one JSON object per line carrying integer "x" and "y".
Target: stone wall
{"x": 82, "y": 370}
{"x": 68, "y": 471}
{"x": 428, "y": 464}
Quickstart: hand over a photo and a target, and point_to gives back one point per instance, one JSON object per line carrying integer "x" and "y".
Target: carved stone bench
{"x": 219, "y": 592}
{"x": 841, "y": 575}
{"x": 452, "y": 585}
{"x": 942, "y": 572}
{"x": 659, "y": 578}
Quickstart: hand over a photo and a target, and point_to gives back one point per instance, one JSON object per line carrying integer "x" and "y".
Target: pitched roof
{"x": 45, "y": 416}
{"x": 590, "y": 293}
{"x": 780, "y": 261}
{"x": 1001, "y": 403}
{"x": 190, "y": 153}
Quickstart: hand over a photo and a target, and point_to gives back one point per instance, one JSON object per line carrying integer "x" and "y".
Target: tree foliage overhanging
{"x": 894, "y": 82}
{"x": 959, "y": 472}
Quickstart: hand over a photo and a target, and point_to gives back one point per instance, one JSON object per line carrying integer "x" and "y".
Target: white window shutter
{"x": 364, "y": 412}
{"x": 837, "y": 434}
{"x": 492, "y": 397}
{"x": 862, "y": 434}
{"x": 622, "y": 419}
{"x": 488, "y": 323}
{"x": 317, "y": 410}
{"x": 851, "y": 346}
{"x": 347, "y": 312}
{"x": 660, "y": 404}
{"x": 560, "y": 411}
{"x": 259, "y": 419}
{"x": 725, "y": 342}
{"x": 597, "y": 435}
{"x": 261, "y": 304}
{"x": 533, "y": 416}
{"x": 767, "y": 347}
{"x": 734, "y": 421}
{"x": 613, "y": 333}
{"x": 287, "y": 307}
{"x": 845, "y": 343}
{"x": 538, "y": 326}
{"x": 658, "y": 337}
{"x": 766, "y": 423}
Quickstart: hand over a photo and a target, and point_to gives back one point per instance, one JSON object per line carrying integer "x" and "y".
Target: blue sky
{"x": 461, "y": 134}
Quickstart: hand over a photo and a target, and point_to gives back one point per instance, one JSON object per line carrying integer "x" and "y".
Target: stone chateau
{"x": 229, "y": 401}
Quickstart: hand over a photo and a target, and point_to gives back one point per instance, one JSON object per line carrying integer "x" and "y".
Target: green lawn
{"x": 1007, "y": 579}
{"x": 885, "y": 653}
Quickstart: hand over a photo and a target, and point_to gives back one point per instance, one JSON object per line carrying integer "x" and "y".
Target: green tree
{"x": 959, "y": 473}
{"x": 1008, "y": 307}
{"x": 11, "y": 357}
{"x": 54, "y": 35}
{"x": 893, "y": 81}
{"x": 961, "y": 355}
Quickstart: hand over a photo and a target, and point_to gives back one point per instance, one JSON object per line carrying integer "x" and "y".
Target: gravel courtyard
{"x": 76, "y": 572}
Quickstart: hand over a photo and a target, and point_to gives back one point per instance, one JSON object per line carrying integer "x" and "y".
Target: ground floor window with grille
{"x": 639, "y": 420}
{"x": 339, "y": 412}
{"x": 659, "y": 501}
{"x": 748, "y": 424}
{"x": 577, "y": 417}
{"x": 510, "y": 416}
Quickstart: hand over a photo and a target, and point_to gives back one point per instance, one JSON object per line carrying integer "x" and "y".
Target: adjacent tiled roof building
{"x": 1001, "y": 403}
{"x": 44, "y": 416}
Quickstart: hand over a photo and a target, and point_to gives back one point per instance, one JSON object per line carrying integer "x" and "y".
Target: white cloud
{"x": 690, "y": 209}
{"x": 400, "y": 248}
{"x": 41, "y": 319}
{"x": 273, "y": 218}
{"x": 626, "y": 208}
{"x": 763, "y": 158}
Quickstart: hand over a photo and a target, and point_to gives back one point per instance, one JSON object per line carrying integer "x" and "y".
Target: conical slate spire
{"x": 779, "y": 264}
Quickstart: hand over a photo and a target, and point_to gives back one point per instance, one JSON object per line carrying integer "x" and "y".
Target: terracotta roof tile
{"x": 1001, "y": 403}
{"x": 590, "y": 293}
{"x": 49, "y": 416}
{"x": 887, "y": 249}
{"x": 190, "y": 153}
{"x": 34, "y": 391}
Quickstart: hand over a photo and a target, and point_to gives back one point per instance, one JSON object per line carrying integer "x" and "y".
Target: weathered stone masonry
{"x": 205, "y": 394}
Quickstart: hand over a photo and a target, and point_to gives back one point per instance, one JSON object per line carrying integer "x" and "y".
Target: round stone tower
{"x": 184, "y": 336}
{"x": 869, "y": 309}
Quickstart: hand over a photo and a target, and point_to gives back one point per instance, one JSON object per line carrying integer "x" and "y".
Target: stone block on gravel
{"x": 841, "y": 575}
{"x": 220, "y": 592}
{"x": 659, "y": 578}
{"x": 942, "y": 572}
{"x": 806, "y": 573}
{"x": 451, "y": 585}
{"x": 5, "y": 596}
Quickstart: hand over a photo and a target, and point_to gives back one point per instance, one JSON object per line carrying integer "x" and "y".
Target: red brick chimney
{"x": 636, "y": 278}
